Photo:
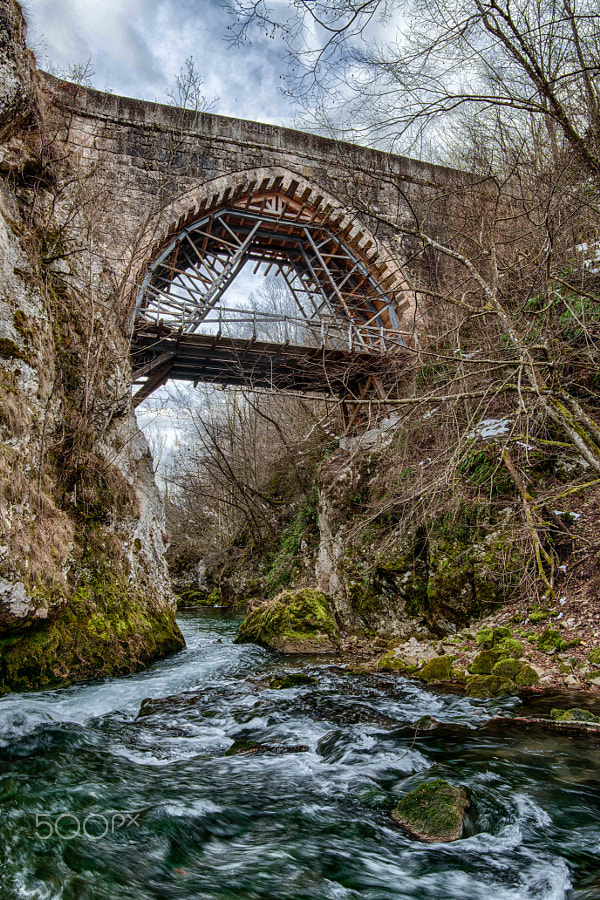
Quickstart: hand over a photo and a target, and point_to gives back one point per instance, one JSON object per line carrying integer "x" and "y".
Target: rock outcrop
{"x": 295, "y": 622}
{"x": 83, "y": 586}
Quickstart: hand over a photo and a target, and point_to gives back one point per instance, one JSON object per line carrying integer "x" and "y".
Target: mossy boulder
{"x": 594, "y": 657}
{"x": 527, "y": 676}
{"x": 437, "y": 669}
{"x": 485, "y": 686}
{"x": 484, "y": 637}
{"x": 291, "y": 680}
{"x": 294, "y": 622}
{"x": 507, "y": 668}
{"x": 485, "y": 661}
{"x": 573, "y": 715}
{"x": 433, "y": 812}
{"x": 511, "y": 646}
{"x": 391, "y": 662}
{"x": 551, "y": 640}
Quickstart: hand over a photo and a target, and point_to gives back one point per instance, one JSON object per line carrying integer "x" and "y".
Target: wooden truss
{"x": 340, "y": 305}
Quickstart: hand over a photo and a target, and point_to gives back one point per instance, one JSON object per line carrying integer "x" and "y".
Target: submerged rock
{"x": 295, "y": 622}
{"x": 433, "y": 812}
{"x": 292, "y": 679}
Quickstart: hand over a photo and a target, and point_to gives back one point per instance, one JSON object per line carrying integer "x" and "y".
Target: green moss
{"x": 105, "y": 628}
{"x": 485, "y": 686}
{"x": 539, "y": 615}
{"x": 502, "y": 633}
{"x": 551, "y": 640}
{"x": 511, "y": 646}
{"x": 594, "y": 657}
{"x": 527, "y": 676}
{"x": 293, "y": 620}
{"x": 485, "y": 661}
{"x": 459, "y": 675}
{"x": 573, "y": 715}
{"x": 9, "y": 350}
{"x": 291, "y": 680}
{"x": 484, "y": 637}
{"x": 390, "y": 662}
{"x": 433, "y": 812}
{"x": 302, "y": 527}
{"x": 507, "y": 668}
{"x": 437, "y": 669}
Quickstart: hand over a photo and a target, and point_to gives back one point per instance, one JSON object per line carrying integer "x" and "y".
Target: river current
{"x": 196, "y": 779}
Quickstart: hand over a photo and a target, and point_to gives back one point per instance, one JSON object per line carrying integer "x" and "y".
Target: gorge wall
{"x": 83, "y": 586}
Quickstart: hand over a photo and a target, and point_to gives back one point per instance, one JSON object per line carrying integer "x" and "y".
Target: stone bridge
{"x": 187, "y": 199}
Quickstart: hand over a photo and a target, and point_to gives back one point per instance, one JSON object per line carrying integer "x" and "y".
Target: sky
{"x": 137, "y": 48}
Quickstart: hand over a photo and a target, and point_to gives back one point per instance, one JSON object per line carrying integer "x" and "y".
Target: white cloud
{"x": 137, "y": 48}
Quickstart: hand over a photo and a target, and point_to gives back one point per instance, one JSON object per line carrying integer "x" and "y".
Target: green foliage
{"x": 303, "y": 525}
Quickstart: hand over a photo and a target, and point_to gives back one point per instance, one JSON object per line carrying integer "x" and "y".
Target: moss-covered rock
{"x": 573, "y": 715}
{"x": 105, "y": 629}
{"x": 484, "y": 686}
{"x": 294, "y": 622}
{"x": 550, "y": 640}
{"x": 527, "y": 676}
{"x": 484, "y": 637}
{"x": 291, "y": 680}
{"x": 538, "y": 615}
{"x": 433, "y": 812}
{"x": 391, "y": 662}
{"x": 437, "y": 669}
{"x": 594, "y": 657}
{"x": 485, "y": 661}
{"x": 511, "y": 646}
{"x": 507, "y": 668}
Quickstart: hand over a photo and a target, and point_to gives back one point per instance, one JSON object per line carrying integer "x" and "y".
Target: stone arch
{"x": 215, "y": 194}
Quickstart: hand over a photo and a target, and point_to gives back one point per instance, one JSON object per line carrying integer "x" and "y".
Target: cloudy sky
{"x": 137, "y": 48}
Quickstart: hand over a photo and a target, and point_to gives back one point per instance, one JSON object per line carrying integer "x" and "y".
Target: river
{"x": 122, "y": 789}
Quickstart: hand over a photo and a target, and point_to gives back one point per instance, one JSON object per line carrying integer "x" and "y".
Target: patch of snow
{"x": 491, "y": 428}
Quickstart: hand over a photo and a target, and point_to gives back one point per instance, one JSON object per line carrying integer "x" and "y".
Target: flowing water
{"x": 103, "y": 795}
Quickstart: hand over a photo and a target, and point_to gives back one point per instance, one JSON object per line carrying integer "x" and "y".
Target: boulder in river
{"x": 433, "y": 812}
{"x": 294, "y": 622}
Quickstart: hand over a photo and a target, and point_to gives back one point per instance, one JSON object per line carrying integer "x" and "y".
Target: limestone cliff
{"x": 83, "y": 587}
